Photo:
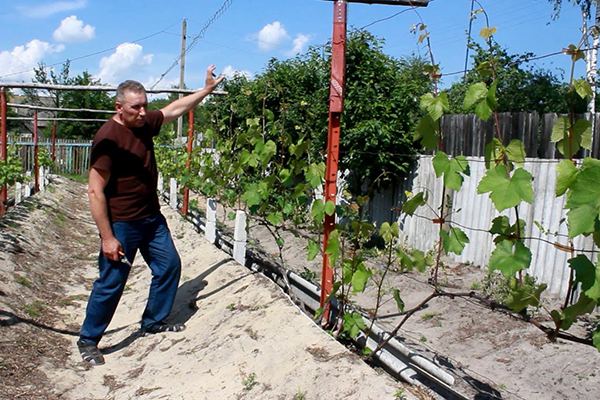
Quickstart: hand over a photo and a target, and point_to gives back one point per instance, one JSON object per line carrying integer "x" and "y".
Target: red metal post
{"x": 186, "y": 190}
{"x": 336, "y": 105}
{"x": 3, "y": 146}
{"x": 36, "y": 165}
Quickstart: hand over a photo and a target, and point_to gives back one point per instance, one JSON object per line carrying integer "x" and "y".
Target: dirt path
{"x": 245, "y": 340}
{"x": 491, "y": 354}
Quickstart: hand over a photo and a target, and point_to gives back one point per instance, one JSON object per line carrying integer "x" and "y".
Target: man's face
{"x": 132, "y": 111}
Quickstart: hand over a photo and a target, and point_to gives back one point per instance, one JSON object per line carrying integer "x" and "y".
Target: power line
{"x": 196, "y": 38}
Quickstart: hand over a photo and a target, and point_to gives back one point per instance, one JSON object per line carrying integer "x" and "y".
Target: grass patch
{"x": 80, "y": 178}
{"x": 34, "y": 309}
{"x": 429, "y": 316}
{"x": 21, "y": 280}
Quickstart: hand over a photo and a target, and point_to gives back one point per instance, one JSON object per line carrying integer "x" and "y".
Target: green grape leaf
{"x": 486, "y": 32}
{"x": 588, "y": 275}
{"x": 482, "y": 98}
{"x": 410, "y": 206}
{"x": 475, "y": 94}
{"x": 583, "y": 88}
{"x": 434, "y": 106}
{"x": 313, "y": 249}
{"x": 318, "y": 210}
{"x": 509, "y": 258}
{"x": 428, "y": 131}
{"x": 247, "y": 158}
{"x": 452, "y": 169}
{"x": 583, "y": 199}
{"x": 329, "y": 208}
{"x": 515, "y": 152}
{"x": 405, "y": 262}
{"x": 596, "y": 337}
{"x": 315, "y": 174}
{"x": 399, "y": 301}
{"x": 333, "y": 246}
{"x": 360, "y": 277}
{"x": 252, "y": 196}
{"x": 494, "y": 150}
{"x": 389, "y": 232}
{"x": 275, "y": 218}
{"x": 506, "y": 191}
{"x": 569, "y": 144}
{"x": 505, "y": 231}
{"x": 353, "y": 323}
{"x": 454, "y": 241}
{"x": 568, "y": 316}
{"x": 523, "y": 296}
{"x": 285, "y": 175}
{"x": 566, "y": 174}
{"x": 419, "y": 260}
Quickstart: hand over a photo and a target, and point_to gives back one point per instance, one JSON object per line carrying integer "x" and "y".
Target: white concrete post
{"x": 240, "y": 237}
{"x": 18, "y": 192}
{"x": 42, "y": 179}
{"x": 211, "y": 220}
{"x": 28, "y": 184}
{"x": 173, "y": 194}
{"x": 161, "y": 184}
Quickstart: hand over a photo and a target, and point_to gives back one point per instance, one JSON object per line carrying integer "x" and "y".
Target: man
{"x": 125, "y": 206}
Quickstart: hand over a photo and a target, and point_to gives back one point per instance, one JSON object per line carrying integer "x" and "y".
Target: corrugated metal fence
{"x": 467, "y": 135}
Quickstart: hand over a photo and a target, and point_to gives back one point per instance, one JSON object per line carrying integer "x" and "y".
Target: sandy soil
{"x": 244, "y": 338}
{"x": 491, "y": 354}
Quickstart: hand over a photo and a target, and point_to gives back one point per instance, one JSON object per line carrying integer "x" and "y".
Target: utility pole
{"x": 336, "y": 106}
{"x": 182, "y": 72}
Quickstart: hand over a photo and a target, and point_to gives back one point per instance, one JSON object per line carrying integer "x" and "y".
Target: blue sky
{"x": 141, "y": 39}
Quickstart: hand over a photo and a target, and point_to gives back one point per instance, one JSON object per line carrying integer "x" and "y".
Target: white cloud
{"x": 299, "y": 44}
{"x": 49, "y": 9}
{"x": 272, "y": 36}
{"x": 230, "y": 72}
{"x": 18, "y": 64}
{"x": 72, "y": 30}
{"x": 123, "y": 62}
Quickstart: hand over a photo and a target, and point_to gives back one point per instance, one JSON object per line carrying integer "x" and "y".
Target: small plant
{"x": 231, "y": 306}
{"x": 126, "y": 288}
{"x": 428, "y": 316}
{"x": 399, "y": 395}
{"x": 422, "y": 339}
{"x": 23, "y": 281}
{"x": 34, "y": 309}
{"x": 249, "y": 381}
{"x": 299, "y": 395}
{"x": 308, "y": 275}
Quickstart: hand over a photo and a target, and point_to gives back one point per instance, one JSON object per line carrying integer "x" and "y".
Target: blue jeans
{"x": 151, "y": 236}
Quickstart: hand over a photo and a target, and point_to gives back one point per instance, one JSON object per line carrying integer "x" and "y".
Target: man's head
{"x": 131, "y": 104}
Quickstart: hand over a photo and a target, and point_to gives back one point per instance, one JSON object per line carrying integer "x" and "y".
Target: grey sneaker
{"x": 90, "y": 353}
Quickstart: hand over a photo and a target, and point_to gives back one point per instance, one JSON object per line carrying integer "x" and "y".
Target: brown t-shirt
{"x": 128, "y": 154}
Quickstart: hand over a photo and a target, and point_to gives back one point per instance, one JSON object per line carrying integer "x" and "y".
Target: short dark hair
{"x": 129, "y": 86}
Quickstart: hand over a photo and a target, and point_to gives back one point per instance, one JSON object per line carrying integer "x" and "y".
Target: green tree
{"x": 79, "y": 99}
{"x": 54, "y": 98}
{"x": 519, "y": 89}
{"x": 381, "y": 105}
{"x": 380, "y": 110}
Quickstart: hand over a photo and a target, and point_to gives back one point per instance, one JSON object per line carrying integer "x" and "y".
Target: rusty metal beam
{"x": 414, "y": 3}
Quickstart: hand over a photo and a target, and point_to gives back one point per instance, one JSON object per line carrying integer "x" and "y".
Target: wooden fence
{"x": 468, "y": 135}
{"x": 71, "y": 156}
